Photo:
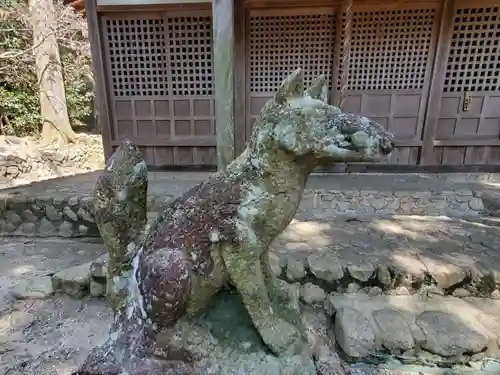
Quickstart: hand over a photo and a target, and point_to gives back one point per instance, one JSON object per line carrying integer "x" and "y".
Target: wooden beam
{"x": 101, "y": 95}
{"x": 240, "y": 92}
{"x": 471, "y": 142}
{"x": 223, "y": 29}
{"x": 334, "y": 93}
{"x": 177, "y": 141}
{"x": 437, "y": 81}
{"x": 347, "y": 6}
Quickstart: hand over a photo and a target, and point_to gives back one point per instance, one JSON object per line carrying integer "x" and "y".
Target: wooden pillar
{"x": 223, "y": 27}
{"x": 240, "y": 92}
{"x": 101, "y": 102}
{"x": 347, "y": 6}
{"x": 437, "y": 81}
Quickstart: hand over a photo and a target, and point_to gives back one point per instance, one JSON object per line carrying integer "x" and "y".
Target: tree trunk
{"x": 56, "y": 126}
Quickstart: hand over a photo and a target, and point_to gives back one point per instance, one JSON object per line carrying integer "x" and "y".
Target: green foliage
{"x": 79, "y": 90}
{"x": 22, "y": 109}
{"x": 19, "y": 94}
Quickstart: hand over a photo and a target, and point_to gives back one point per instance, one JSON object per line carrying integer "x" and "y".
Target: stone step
{"x": 491, "y": 368}
{"x": 438, "y": 330}
{"x": 396, "y": 255}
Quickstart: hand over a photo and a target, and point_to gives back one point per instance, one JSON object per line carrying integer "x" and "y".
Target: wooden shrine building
{"x": 186, "y": 79}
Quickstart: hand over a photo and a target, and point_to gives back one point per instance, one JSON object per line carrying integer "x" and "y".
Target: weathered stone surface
{"x": 461, "y": 293}
{"x": 445, "y": 275}
{"x": 476, "y": 204}
{"x": 394, "y": 330}
{"x": 405, "y": 280}
{"x": 29, "y": 216}
{"x": 375, "y": 291}
{"x": 34, "y": 288}
{"x": 401, "y": 291}
{"x": 26, "y": 228}
{"x": 491, "y": 202}
{"x": 9, "y": 227}
{"x": 433, "y": 289}
{"x": 327, "y": 268}
{"x": 97, "y": 289}
{"x": 13, "y": 218}
{"x": 352, "y": 288}
{"x": 354, "y": 333}
{"x": 361, "y": 272}
{"x": 384, "y": 275}
{"x": 295, "y": 270}
{"x": 84, "y": 215}
{"x": 312, "y": 294}
{"x": 52, "y": 213}
{"x": 451, "y": 327}
{"x": 219, "y": 230}
{"x": 66, "y": 229}
{"x": 83, "y": 229}
{"x": 73, "y": 201}
{"x": 46, "y": 227}
{"x": 99, "y": 267}
{"x": 87, "y": 201}
{"x": 70, "y": 214}
{"x": 59, "y": 201}
{"x": 73, "y": 281}
{"x": 448, "y": 336}
{"x": 227, "y": 343}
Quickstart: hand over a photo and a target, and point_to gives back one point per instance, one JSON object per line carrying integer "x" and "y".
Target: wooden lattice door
{"x": 468, "y": 128}
{"x": 159, "y": 79}
{"x": 390, "y": 62}
{"x": 278, "y": 42}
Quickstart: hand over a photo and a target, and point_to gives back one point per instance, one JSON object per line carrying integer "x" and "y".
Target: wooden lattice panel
{"x": 278, "y": 44}
{"x": 160, "y": 70}
{"x": 389, "y": 49}
{"x": 191, "y": 55}
{"x": 474, "y": 59}
{"x": 137, "y": 56}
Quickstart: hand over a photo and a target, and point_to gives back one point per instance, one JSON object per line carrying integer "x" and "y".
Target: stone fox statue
{"x": 218, "y": 232}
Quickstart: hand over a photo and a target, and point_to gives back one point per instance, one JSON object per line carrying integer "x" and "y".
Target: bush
{"x": 19, "y": 95}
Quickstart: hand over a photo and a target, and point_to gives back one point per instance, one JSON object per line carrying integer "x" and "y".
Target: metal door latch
{"x": 467, "y": 101}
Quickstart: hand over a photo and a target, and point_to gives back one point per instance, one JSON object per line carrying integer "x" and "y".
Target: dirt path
{"x": 53, "y": 336}
{"x": 42, "y": 337}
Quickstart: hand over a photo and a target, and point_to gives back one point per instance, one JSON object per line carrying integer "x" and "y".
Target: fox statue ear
{"x": 318, "y": 89}
{"x": 291, "y": 87}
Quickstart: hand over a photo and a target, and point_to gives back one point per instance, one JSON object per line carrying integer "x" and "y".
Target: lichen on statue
{"x": 218, "y": 232}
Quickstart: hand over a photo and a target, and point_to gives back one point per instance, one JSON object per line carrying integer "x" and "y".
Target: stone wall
{"x": 64, "y": 217}
{"x": 321, "y": 274}
{"x": 11, "y": 166}
{"x": 72, "y": 216}
{"x": 449, "y": 203}
{"x": 25, "y": 160}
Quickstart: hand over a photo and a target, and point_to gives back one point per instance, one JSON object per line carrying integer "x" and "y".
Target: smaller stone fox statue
{"x": 218, "y": 232}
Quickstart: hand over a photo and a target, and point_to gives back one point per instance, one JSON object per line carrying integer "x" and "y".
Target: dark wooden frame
{"x": 431, "y": 98}
{"x": 437, "y": 81}
{"x": 101, "y": 93}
